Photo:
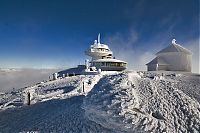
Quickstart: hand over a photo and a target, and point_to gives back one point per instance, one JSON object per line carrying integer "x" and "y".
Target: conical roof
{"x": 174, "y": 48}
{"x": 157, "y": 60}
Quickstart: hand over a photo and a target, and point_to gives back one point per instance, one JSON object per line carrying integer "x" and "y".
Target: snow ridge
{"x": 111, "y": 102}
{"x": 128, "y": 103}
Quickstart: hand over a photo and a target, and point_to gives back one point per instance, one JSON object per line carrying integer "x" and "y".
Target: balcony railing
{"x": 100, "y": 50}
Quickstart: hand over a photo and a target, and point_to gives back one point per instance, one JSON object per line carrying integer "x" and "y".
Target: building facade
{"x": 172, "y": 58}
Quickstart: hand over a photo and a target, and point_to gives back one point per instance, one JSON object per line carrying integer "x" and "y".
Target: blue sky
{"x": 55, "y": 33}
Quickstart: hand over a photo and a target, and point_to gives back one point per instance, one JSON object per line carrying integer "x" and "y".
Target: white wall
{"x": 151, "y": 67}
{"x": 178, "y": 61}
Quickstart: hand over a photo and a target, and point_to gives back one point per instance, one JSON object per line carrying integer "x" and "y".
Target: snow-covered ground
{"x": 110, "y": 102}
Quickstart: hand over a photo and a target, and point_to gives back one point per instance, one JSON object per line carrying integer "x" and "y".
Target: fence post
{"x": 28, "y": 98}
{"x": 83, "y": 87}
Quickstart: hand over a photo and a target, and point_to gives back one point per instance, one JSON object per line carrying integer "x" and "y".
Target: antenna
{"x": 99, "y": 38}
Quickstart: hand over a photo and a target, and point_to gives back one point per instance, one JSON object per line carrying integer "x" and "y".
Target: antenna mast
{"x": 99, "y": 38}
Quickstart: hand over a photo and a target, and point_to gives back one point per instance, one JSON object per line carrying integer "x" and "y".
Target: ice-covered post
{"x": 99, "y": 71}
{"x": 55, "y": 76}
{"x": 28, "y": 98}
{"x": 87, "y": 64}
{"x": 156, "y": 67}
{"x": 83, "y": 87}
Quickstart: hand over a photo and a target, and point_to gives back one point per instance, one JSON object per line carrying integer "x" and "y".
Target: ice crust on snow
{"x": 112, "y": 102}
{"x": 127, "y": 102}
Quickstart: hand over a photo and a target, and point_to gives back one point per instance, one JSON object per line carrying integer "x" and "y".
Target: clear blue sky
{"x": 55, "y": 33}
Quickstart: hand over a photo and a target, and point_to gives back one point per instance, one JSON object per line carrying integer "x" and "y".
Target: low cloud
{"x": 20, "y": 78}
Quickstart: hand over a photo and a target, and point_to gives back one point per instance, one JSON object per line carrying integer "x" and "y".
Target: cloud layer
{"x": 19, "y": 78}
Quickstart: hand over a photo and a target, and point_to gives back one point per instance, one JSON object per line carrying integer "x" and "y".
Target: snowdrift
{"x": 129, "y": 102}
{"x": 111, "y": 102}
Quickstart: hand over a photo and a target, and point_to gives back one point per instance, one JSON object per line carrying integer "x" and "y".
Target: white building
{"x": 172, "y": 58}
{"x": 102, "y": 57}
{"x": 102, "y": 60}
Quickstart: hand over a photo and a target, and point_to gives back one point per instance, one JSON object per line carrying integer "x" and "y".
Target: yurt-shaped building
{"x": 172, "y": 58}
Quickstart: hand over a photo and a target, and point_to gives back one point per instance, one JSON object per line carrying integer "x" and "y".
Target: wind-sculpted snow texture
{"x": 145, "y": 103}
{"x": 55, "y": 107}
{"x": 55, "y": 115}
{"x": 111, "y": 102}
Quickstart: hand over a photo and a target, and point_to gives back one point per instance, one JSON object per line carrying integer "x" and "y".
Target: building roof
{"x": 174, "y": 48}
{"x": 157, "y": 61}
{"x": 104, "y": 46}
{"x": 75, "y": 70}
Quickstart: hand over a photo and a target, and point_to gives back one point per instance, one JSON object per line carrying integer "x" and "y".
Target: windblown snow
{"x": 109, "y": 102}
